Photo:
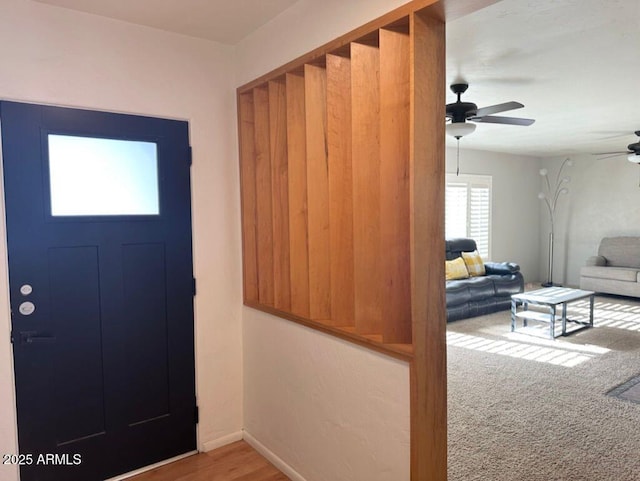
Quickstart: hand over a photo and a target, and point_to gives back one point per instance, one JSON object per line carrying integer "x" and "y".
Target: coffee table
{"x": 550, "y": 298}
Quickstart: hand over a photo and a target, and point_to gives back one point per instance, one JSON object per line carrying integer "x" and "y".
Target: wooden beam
{"x": 395, "y": 258}
{"x": 280, "y": 194}
{"x": 365, "y": 88}
{"x": 246, "y": 133}
{"x": 340, "y": 189}
{"x": 298, "y": 227}
{"x": 264, "y": 213}
{"x": 315, "y": 79}
{"x": 428, "y": 370}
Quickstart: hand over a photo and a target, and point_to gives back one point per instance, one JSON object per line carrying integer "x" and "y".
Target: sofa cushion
{"x": 474, "y": 263}
{"x": 480, "y": 288}
{"x": 456, "y": 269}
{"x": 457, "y": 292}
{"x": 501, "y": 268}
{"x": 505, "y": 286}
{"x": 613, "y": 273}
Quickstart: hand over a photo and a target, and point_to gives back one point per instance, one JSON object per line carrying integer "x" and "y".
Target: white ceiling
{"x": 572, "y": 63}
{"x": 225, "y": 21}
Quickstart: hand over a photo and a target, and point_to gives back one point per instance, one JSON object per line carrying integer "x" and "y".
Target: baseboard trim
{"x": 130, "y": 474}
{"x": 273, "y": 459}
{"x": 223, "y": 441}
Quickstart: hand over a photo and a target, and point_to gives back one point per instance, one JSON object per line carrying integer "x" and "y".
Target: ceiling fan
{"x": 633, "y": 152}
{"x": 459, "y": 113}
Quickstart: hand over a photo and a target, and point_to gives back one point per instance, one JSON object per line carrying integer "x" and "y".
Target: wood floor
{"x": 234, "y": 462}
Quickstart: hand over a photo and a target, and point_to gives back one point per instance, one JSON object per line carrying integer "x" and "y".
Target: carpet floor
{"x": 527, "y": 408}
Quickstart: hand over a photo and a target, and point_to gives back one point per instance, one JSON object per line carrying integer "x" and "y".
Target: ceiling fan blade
{"x": 503, "y": 120}
{"x": 494, "y": 109}
{"x": 618, "y": 152}
{"x": 610, "y": 155}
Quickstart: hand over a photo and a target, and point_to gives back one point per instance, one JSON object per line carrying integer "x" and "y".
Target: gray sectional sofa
{"x": 616, "y": 268}
{"x": 481, "y": 295}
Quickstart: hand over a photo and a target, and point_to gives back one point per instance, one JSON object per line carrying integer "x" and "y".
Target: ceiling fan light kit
{"x": 460, "y": 129}
{"x": 461, "y": 114}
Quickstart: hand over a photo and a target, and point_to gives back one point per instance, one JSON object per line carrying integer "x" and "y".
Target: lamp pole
{"x": 550, "y": 195}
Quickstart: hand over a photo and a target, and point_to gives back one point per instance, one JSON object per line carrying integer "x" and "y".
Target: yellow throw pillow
{"x": 456, "y": 269}
{"x": 474, "y": 263}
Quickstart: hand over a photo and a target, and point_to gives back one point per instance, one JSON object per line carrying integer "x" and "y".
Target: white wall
{"x": 328, "y": 408}
{"x": 57, "y": 56}
{"x": 603, "y": 200}
{"x": 331, "y": 410}
{"x": 515, "y": 208}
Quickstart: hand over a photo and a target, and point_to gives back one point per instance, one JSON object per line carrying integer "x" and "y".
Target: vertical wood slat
{"x": 297, "y": 161}
{"x": 394, "y": 186}
{"x": 340, "y": 189}
{"x": 280, "y": 194}
{"x": 428, "y": 370}
{"x": 317, "y": 192}
{"x": 248, "y": 188}
{"x": 264, "y": 214}
{"x": 365, "y": 88}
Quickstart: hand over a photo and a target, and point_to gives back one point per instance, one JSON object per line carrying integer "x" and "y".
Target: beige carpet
{"x": 526, "y": 408}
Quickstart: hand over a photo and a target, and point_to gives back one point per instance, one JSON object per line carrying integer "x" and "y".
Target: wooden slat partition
{"x": 297, "y": 160}
{"x": 246, "y": 132}
{"x": 340, "y": 189}
{"x": 317, "y": 192}
{"x": 264, "y": 212}
{"x": 394, "y": 186}
{"x": 280, "y": 194}
{"x": 365, "y": 88}
{"x": 332, "y": 198}
{"x": 365, "y": 177}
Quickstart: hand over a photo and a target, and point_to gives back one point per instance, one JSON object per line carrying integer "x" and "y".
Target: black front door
{"x": 100, "y": 268}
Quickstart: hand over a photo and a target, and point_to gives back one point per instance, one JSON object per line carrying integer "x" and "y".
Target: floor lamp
{"x": 550, "y": 195}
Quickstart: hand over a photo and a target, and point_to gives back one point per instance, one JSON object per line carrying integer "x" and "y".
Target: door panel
{"x": 144, "y": 300}
{"x": 73, "y": 273}
{"x": 104, "y": 357}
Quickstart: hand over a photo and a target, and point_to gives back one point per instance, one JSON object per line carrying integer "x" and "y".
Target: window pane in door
{"x": 96, "y": 177}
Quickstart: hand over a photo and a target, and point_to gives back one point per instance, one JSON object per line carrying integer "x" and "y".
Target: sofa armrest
{"x": 501, "y": 268}
{"x": 596, "y": 261}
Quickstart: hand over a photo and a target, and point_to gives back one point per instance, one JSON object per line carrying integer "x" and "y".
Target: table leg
{"x": 591, "y": 310}
{"x": 525, "y": 307}
{"x": 513, "y": 314}
{"x": 564, "y": 318}
{"x": 552, "y": 322}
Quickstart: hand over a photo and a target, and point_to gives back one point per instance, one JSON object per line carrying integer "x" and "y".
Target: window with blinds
{"x": 468, "y": 210}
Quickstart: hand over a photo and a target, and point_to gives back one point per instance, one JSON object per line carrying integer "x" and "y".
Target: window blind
{"x": 468, "y": 210}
